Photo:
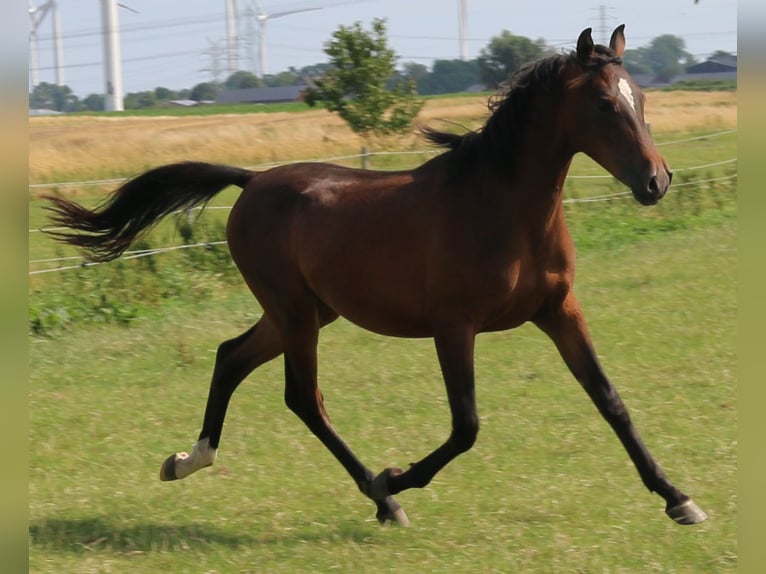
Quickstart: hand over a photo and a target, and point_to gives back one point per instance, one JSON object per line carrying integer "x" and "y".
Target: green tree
{"x": 636, "y": 62}
{"x": 315, "y": 70}
{"x": 505, "y": 54}
{"x": 721, "y": 54}
{"x": 53, "y": 97}
{"x": 140, "y": 100}
{"x": 667, "y": 57}
{"x": 289, "y": 77}
{"x": 450, "y": 76}
{"x": 415, "y": 72}
{"x": 242, "y": 79}
{"x": 356, "y": 85}
{"x": 164, "y": 94}
{"x": 94, "y": 102}
{"x": 204, "y": 91}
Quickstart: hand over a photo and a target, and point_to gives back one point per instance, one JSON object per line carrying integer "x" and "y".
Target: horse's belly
{"x": 382, "y": 313}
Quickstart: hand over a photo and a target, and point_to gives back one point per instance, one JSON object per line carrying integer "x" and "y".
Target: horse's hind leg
{"x": 235, "y": 359}
{"x": 303, "y": 397}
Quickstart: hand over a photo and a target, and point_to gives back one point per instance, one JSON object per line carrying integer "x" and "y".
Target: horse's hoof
{"x": 398, "y": 516}
{"x": 168, "y": 469}
{"x": 391, "y": 511}
{"x": 686, "y": 513}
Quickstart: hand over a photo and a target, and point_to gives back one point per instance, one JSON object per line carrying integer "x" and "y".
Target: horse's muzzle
{"x": 655, "y": 189}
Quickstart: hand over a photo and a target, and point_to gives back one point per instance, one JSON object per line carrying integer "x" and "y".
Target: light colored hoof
{"x": 182, "y": 464}
{"x": 168, "y": 468}
{"x": 397, "y": 516}
{"x": 400, "y": 517}
{"x": 687, "y": 513}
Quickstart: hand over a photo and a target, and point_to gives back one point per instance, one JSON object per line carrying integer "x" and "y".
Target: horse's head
{"x": 605, "y": 109}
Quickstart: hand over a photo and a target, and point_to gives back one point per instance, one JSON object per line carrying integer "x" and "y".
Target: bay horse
{"x": 473, "y": 240}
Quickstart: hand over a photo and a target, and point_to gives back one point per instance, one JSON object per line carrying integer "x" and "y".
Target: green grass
{"x": 205, "y": 110}
{"x": 547, "y": 487}
{"x": 212, "y": 109}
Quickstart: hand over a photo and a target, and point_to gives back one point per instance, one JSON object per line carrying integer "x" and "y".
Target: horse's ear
{"x": 585, "y": 45}
{"x": 617, "y": 41}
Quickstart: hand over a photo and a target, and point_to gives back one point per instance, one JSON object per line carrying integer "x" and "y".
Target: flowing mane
{"x": 510, "y": 106}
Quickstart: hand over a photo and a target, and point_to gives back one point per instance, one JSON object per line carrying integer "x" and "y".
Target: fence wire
{"x": 149, "y": 252}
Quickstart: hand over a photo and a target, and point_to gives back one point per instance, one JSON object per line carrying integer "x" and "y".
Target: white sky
{"x": 165, "y": 44}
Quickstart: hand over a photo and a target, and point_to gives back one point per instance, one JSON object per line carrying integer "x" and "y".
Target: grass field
{"x": 121, "y": 354}
{"x": 547, "y": 488}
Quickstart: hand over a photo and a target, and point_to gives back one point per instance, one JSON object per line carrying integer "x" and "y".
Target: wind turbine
{"x": 232, "y": 52}
{"x": 36, "y": 16}
{"x": 110, "y": 26}
{"x": 261, "y": 16}
{"x": 462, "y": 25}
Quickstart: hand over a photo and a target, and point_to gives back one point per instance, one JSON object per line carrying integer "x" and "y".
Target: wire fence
{"x": 149, "y": 252}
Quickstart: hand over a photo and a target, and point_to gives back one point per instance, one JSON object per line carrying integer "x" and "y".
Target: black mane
{"x": 509, "y": 107}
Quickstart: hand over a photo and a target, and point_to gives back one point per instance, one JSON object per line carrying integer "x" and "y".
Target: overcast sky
{"x": 168, "y": 42}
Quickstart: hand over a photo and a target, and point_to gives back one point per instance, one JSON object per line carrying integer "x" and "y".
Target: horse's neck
{"x": 539, "y": 169}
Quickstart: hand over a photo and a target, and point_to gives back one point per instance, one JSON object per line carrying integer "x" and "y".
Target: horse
{"x": 473, "y": 240}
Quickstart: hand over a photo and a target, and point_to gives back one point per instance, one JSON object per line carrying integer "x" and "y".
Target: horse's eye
{"x": 605, "y": 105}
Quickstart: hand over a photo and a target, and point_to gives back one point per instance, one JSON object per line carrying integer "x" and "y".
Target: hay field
{"x": 86, "y": 147}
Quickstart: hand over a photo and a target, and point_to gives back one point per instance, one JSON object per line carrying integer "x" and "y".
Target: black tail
{"x": 109, "y": 229}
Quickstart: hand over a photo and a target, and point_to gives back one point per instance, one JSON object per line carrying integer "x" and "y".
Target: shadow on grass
{"x": 94, "y": 534}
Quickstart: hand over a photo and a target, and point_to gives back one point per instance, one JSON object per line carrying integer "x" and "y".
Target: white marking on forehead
{"x": 627, "y": 92}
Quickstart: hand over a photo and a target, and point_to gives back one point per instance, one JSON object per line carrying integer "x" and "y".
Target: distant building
{"x": 270, "y": 95}
{"x": 43, "y": 112}
{"x": 722, "y": 67}
{"x": 184, "y": 103}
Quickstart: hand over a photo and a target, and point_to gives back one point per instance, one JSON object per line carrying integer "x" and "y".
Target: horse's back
{"x": 349, "y": 236}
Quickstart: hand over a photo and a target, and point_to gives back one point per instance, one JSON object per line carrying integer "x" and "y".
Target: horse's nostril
{"x": 654, "y": 186}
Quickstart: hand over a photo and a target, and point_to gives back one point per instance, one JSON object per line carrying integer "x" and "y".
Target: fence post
{"x": 365, "y": 157}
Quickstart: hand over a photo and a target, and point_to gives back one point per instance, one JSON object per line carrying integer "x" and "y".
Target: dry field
{"x": 86, "y": 147}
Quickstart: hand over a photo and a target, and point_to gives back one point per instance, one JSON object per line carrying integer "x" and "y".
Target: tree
{"x": 635, "y": 61}
{"x": 53, "y": 97}
{"x": 164, "y": 94}
{"x": 355, "y": 87}
{"x": 666, "y": 56}
{"x": 94, "y": 102}
{"x": 450, "y": 76}
{"x": 287, "y": 78}
{"x": 242, "y": 79}
{"x": 315, "y": 70}
{"x": 415, "y": 72}
{"x": 504, "y": 55}
{"x": 140, "y": 100}
{"x": 204, "y": 91}
{"x": 721, "y": 54}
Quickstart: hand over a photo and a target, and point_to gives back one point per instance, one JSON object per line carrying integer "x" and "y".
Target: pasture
{"x": 121, "y": 355}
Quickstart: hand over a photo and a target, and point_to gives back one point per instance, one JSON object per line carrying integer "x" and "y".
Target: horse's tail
{"x": 109, "y": 229}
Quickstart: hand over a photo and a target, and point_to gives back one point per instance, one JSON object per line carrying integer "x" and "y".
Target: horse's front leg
{"x": 565, "y": 325}
{"x": 455, "y": 351}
